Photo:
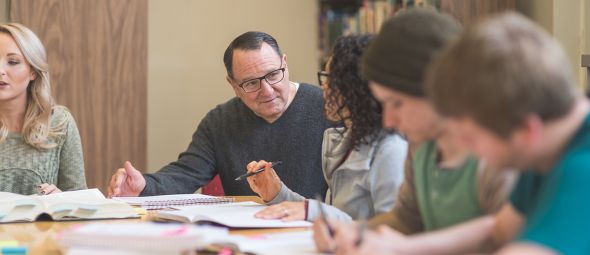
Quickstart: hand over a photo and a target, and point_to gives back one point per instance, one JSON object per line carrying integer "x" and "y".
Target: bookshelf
{"x": 351, "y": 17}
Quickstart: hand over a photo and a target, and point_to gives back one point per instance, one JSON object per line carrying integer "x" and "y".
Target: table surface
{"x": 40, "y": 237}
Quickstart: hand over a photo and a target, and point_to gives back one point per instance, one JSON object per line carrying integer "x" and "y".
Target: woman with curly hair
{"x": 362, "y": 162}
{"x": 40, "y": 149}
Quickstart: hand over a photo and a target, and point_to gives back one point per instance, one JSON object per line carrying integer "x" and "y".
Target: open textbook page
{"x": 233, "y": 215}
{"x": 69, "y": 205}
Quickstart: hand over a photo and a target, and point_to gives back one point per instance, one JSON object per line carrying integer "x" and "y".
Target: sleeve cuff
{"x": 148, "y": 190}
{"x": 281, "y": 196}
{"x": 285, "y": 194}
{"x": 313, "y": 210}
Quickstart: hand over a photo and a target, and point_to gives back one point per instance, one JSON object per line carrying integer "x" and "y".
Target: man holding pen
{"x": 270, "y": 118}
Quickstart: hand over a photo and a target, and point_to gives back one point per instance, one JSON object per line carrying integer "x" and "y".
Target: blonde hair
{"x": 36, "y": 130}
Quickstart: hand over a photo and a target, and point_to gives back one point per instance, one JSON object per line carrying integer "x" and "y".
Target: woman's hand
{"x": 46, "y": 189}
{"x": 351, "y": 240}
{"x": 324, "y": 242}
{"x": 286, "y": 211}
{"x": 266, "y": 184}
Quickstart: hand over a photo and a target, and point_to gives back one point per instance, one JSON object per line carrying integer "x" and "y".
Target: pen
{"x": 361, "y": 230}
{"x": 260, "y": 170}
{"x": 318, "y": 199}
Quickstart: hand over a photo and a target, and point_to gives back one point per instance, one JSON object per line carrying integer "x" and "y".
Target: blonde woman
{"x": 40, "y": 149}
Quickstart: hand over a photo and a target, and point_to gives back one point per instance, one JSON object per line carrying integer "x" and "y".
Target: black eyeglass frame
{"x": 322, "y": 74}
{"x": 282, "y": 69}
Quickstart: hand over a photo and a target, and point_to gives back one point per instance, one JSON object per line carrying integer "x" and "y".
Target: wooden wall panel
{"x": 469, "y": 11}
{"x": 97, "y": 52}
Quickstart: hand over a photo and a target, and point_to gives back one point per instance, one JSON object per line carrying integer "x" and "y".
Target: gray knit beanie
{"x": 400, "y": 53}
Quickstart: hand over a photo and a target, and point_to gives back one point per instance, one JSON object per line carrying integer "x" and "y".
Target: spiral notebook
{"x": 166, "y": 201}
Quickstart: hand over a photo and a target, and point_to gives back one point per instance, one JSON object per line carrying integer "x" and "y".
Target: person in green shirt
{"x": 444, "y": 184}
{"x": 509, "y": 92}
{"x": 40, "y": 148}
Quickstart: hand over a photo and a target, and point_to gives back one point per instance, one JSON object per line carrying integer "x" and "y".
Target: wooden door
{"x": 97, "y": 51}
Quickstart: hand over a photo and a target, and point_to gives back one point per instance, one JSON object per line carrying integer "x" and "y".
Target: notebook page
{"x": 141, "y": 236}
{"x": 164, "y": 201}
{"x": 235, "y": 215}
{"x": 298, "y": 242}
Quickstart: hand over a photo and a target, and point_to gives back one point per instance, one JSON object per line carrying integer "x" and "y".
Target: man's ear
{"x": 530, "y": 132}
{"x": 285, "y": 59}
{"x": 229, "y": 80}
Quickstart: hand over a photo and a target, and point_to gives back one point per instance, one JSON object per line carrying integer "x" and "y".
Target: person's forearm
{"x": 330, "y": 211}
{"x": 174, "y": 179}
{"x": 392, "y": 220}
{"x": 471, "y": 236}
{"x": 285, "y": 194}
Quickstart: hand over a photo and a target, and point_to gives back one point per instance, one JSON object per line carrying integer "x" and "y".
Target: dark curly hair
{"x": 349, "y": 93}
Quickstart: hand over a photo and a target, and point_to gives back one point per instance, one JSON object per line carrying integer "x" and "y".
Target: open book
{"x": 139, "y": 237}
{"x": 165, "y": 201}
{"x": 69, "y": 205}
{"x": 285, "y": 243}
{"x": 233, "y": 215}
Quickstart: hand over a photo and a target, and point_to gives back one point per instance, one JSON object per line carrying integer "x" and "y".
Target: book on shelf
{"x": 165, "y": 201}
{"x": 68, "y": 205}
{"x": 233, "y": 215}
{"x": 356, "y": 17}
{"x": 138, "y": 237}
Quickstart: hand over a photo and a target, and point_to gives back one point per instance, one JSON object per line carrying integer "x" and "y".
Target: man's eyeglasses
{"x": 323, "y": 77}
{"x": 271, "y": 78}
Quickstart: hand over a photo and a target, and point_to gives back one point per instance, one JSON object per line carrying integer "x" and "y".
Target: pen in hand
{"x": 260, "y": 170}
{"x": 331, "y": 231}
{"x": 360, "y": 232}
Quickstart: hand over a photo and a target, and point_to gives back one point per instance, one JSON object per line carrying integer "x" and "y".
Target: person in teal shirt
{"x": 509, "y": 93}
{"x": 555, "y": 203}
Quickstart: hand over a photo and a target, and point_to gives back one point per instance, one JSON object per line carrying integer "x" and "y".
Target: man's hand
{"x": 126, "y": 182}
{"x": 266, "y": 184}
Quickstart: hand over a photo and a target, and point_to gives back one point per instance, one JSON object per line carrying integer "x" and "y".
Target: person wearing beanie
{"x": 444, "y": 184}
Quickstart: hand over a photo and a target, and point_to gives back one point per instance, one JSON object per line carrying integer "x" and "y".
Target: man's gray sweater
{"x": 231, "y": 136}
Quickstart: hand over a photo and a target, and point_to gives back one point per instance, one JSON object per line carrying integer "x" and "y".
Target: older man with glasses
{"x": 271, "y": 118}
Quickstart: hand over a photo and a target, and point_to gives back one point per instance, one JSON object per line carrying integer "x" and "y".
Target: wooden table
{"x": 40, "y": 237}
